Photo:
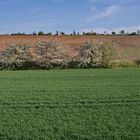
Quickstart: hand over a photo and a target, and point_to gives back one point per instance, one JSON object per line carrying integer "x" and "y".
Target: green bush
{"x": 124, "y": 64}
{"x": 41, "y": 33}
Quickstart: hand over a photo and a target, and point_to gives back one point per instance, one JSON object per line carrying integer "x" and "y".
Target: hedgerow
{"x": 51, "y": 55}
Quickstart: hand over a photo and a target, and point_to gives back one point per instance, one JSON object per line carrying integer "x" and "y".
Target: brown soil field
{"x": 129, "y": 46}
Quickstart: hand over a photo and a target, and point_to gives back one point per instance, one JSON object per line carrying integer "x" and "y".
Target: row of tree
{"x": 122, "y": 32}
{"x": 49, "y": 33}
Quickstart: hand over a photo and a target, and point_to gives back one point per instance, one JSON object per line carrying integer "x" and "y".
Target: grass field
{"x": 70, "y": 105}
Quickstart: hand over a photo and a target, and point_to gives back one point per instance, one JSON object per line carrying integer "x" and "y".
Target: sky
{"x": 68, "y": 15}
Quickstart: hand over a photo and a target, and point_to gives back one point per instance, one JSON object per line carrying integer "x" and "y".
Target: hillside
{"x": 129, "y": 46}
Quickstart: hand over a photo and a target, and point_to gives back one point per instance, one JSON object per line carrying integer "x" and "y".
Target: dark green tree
{"x": 41, "y": 33}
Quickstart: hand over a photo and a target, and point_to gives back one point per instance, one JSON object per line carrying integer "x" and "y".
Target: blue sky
{"x": 68, "y": 15}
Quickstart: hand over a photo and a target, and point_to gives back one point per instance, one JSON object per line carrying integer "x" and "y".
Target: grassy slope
{"x": 70, "y": 104}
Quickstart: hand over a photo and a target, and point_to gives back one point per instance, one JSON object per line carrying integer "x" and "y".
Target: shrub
{"x": 124, "y": 64}
{"x": 41, "y": 33}
{"x": 97, "y": 54}
{"x": 14, "y": 56}
{"x": 73, "y": 64}
{"x": 50, "y": 54}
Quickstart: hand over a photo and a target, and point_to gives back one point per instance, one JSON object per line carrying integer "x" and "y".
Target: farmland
{"x": 129, "y": 46}
{"x": 70, "y": 104}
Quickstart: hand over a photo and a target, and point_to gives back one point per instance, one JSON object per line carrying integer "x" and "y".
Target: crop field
{"x": 129, "y": 46}
{"x": 70, "y": 104}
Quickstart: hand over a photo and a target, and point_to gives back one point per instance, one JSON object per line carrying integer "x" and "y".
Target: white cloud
{"x": 93, "y": 8}
{"x": 109, "y": 11}
{"x": 128, "y": 29}
{"x": 29, "y": 26}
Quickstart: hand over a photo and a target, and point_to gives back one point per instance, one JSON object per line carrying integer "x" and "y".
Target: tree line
{"x": 57, "y": 33}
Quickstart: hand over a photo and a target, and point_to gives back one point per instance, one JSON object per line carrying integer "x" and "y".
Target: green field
{"x": 70, "y": 105}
